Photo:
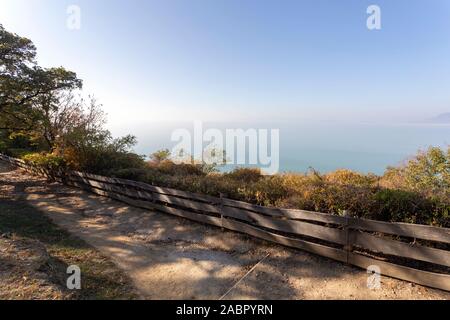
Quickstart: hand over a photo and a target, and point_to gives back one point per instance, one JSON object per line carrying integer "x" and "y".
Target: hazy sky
{"x": 249, "y": 59}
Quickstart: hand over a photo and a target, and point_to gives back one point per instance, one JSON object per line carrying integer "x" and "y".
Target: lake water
{"x": 322, "y": 146}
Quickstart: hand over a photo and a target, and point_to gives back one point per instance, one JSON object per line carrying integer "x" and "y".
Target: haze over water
{"x": 324, "y": 146}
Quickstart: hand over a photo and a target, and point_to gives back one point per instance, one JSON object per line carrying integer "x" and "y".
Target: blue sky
{"x": 248, "y": 60}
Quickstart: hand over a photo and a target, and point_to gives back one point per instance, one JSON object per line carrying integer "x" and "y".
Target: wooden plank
{"x": 403, "y": 229}
{"x": 113, "y": 188}
{"x": 186, "y": 203}
{"x": 200, "y": 206}
{"x": 287, "y": 213}
{"x": 228, "y": 212}
{"x": 15, "y": 160}
{"x": 215, "y": 221}
{"x": 152, "y": 206}
{"x": 425, "y": 278}
{"x": 92, "y": 176}
{"x": 313, "y": 216}
{"x": 182, "y": 194}
{"x": 148, "y": 187}
{"x": 315, "y": 248}
{"x": 235, "y": 213}
{"x": 401, "y": 249}
{"x": 300, "y": 228}
{"x": 127, "y": 200}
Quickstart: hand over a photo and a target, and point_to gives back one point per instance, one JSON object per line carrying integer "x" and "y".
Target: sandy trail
{"x": 172, "y": 258}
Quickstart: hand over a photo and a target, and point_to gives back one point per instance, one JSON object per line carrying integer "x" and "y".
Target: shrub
{"x": 181, "y": 169}
{"x": 3, "y": 146}
{"x": 245, "y": 174}
{"x": 428, "y": 173}
{"x": 18, "y": 152}
{"x": 137, "y": 174}
{"x": 349, "y": 177}
{"x": 102, "y": 154}
{"x": 268, "y": 190}
{"x": 319, "y": 195}
{"x": 107, "y": 163}
{"x": 399, "y": 205}
{"x": 440, "y": 214}
{"x": 45, "y": 160}
{"x": 160, "y": 156}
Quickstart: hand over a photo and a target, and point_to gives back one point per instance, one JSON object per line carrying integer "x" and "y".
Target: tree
{"x": 427, "y": 173}
{"x": 40, "y": 104}
{"x": 75, "y": 130}
{"x": 160, "y": 156}
{"x": 24, "y": 85}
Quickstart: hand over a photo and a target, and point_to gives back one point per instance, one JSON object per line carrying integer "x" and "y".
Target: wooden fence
{"x": 416, "y": 253}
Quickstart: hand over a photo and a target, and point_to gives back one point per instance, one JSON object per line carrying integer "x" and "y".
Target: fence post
{"x": 222, "y": 196}
{"x": 348, "y": 239}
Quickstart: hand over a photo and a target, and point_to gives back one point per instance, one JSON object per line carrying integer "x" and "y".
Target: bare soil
{"x": 167, "y": 257}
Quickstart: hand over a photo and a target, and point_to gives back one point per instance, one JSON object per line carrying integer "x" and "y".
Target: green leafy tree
{"x": 160, "y": 156}
{"x": 24, "y": 85}
{"x": 427, "y": 173}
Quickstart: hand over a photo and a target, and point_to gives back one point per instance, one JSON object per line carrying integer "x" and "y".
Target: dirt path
{"x": 172, "y": 258}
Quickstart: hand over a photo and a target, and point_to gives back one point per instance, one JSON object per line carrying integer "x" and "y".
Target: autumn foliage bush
{"x": 45, "y": 160}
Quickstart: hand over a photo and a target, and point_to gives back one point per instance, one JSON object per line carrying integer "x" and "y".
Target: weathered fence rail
{"x": 360, "y": 242}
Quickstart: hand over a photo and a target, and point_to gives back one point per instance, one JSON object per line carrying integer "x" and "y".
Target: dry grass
{"x": 35, "y": 255}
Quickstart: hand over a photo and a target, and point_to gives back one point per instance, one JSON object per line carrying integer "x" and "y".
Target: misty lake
{"x": 322, "y": 146}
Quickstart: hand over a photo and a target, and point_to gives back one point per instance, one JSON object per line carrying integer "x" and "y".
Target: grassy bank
{"x": 36, "y": 254}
